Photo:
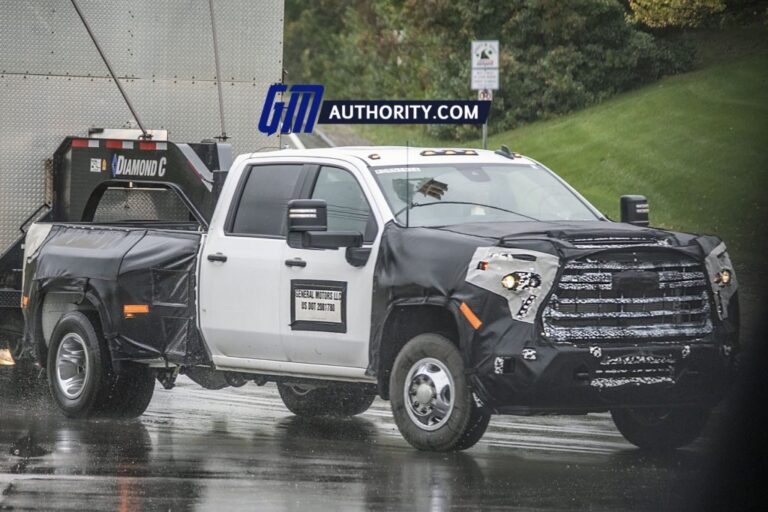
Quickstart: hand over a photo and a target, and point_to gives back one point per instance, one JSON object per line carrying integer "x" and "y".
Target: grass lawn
{"x": 695, "y": 144}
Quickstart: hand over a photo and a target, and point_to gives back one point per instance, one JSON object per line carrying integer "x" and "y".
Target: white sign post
{"x": 485, "y": 74}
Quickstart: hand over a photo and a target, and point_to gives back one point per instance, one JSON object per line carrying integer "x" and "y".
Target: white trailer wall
{"x": 53, "y": 82}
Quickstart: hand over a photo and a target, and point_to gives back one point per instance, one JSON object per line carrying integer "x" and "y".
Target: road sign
{"x": 485, "y": 79}
{"x": 485, "y": 95}
{"x": 485, "y": 65}
{"x": 485, "y": 54}
{"x": 485, "y": 74}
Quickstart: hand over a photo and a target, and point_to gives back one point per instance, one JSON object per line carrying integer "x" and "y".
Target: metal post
{"x": 145, "y": 135}
{"x": 485, "y": 135}
{"x": 223, "y": 135}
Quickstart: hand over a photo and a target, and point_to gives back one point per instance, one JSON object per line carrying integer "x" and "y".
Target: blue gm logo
{"x": 304, "y": 102}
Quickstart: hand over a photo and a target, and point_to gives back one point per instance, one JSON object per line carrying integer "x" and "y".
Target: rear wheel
{"x": 659, "y": 429}
{"x": 336, "y": 400}
{"x": 431, "y": 399}
{"x": 81, "y": 378}
{"x": 131, "y": 391}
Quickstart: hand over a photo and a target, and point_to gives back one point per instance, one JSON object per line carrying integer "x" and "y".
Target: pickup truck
{"x": 455, "y": 283}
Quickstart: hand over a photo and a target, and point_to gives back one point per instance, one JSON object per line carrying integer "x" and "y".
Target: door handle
{"x": 217, "y": 257}
{"x": 296, "y": 262}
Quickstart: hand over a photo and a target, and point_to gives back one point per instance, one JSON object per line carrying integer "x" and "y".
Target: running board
{"x": 290, "y": 369}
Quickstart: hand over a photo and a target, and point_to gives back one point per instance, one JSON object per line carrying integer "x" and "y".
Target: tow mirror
{"x": 307, "y": 215}
{"x": 308, "y": 227}
{"x": 634, "y": 210}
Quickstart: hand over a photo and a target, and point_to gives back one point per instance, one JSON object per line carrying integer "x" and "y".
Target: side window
{"x": 348, "y": 210}
{"x": 267, "y": 190}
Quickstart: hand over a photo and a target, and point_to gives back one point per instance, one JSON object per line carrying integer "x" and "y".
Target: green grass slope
{"x": 695, "y": 144}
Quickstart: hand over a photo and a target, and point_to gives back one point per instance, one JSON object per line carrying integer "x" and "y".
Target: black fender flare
{"x": 384, "y": 349}
{"x": 34, "y": 342}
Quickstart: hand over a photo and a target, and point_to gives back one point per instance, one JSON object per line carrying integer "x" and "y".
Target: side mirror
{"x": 307, "y": 215}
{"x": 308, "y": 227}
{"x": 634, "y": 210}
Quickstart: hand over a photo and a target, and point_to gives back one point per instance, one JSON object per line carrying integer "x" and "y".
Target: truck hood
{"x": 570, "y": 234}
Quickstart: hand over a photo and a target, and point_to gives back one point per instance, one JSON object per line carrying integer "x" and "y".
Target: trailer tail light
{"x": 130, "y": 310}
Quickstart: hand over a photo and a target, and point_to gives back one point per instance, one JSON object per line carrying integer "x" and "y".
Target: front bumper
{"x": 581, "y": 379}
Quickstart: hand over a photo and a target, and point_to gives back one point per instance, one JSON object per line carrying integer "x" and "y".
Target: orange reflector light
{"x": 483, "y": 265}
{"x": 24, "y": 301}
{"x": 135, "y": 309}
{"x": 470, "y": 316}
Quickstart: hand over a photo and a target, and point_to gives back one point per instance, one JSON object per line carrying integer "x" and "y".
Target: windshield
{"x": 442, "y": 195}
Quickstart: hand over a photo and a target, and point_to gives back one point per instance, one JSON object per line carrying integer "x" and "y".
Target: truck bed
{"x": 146, "y": 265}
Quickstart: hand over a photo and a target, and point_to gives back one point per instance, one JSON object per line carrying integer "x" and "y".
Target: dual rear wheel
{"x": 82, "y": 379}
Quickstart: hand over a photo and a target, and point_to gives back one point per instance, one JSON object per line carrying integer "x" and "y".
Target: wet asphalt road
{"x": 196, "y": 449}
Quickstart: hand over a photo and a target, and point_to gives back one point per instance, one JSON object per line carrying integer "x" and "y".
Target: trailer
{"x": 135, "y": 74}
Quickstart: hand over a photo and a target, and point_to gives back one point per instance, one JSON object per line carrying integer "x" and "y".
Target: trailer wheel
{"x": 660, "y": 429}
{"x": 431, "y": 399}
{"x": 80, "y": 375}
{"x": 335, "y": 400}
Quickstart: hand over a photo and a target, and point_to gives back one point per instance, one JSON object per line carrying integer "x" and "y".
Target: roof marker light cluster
{"x": 447, "y": 152}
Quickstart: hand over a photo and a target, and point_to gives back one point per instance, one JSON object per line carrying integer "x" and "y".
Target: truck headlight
{"x": 723, "y": 277}
{"x": 521, "y": 281}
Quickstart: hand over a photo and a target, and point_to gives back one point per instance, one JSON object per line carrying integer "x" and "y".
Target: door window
{"x": 348, "y": 210}
{"x": 261, "y": 209}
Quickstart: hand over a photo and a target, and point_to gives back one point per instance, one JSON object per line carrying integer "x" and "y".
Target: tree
{"x": 556, "y": 55}
{"x": 674, "y": 13}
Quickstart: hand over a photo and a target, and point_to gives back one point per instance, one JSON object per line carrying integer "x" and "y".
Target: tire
{"x": 80, "y": 375}
{"x": 431, "y": 399}
{"x": 131, "y": 392}
{"x": 336, "y": 400}
{"x": 660, "y": 429}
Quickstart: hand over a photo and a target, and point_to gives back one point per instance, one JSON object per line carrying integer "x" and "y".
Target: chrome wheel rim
{"x": 72, "y": 365}
{"x": 429, "y": 394}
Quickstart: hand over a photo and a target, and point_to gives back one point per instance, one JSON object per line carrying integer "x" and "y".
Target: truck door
{"x": 241, "y": 265}
{"x": 326, "y": 301}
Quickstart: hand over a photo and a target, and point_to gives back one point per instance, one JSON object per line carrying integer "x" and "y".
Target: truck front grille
{"x": 596, "y": 299}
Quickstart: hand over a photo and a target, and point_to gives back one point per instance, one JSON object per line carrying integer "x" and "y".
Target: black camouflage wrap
{"x": 110, "y": 267}
{"x": 435, "y": 266}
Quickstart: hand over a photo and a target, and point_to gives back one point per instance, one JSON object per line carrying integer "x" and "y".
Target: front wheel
{"x": 431, "y": 399}
{"x": 658, "y": 429}
{"x": 334, "y": 400}
{"x": 81, "y": 378}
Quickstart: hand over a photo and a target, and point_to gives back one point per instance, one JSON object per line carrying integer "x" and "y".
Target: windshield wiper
{"x": 416, "y": 205}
